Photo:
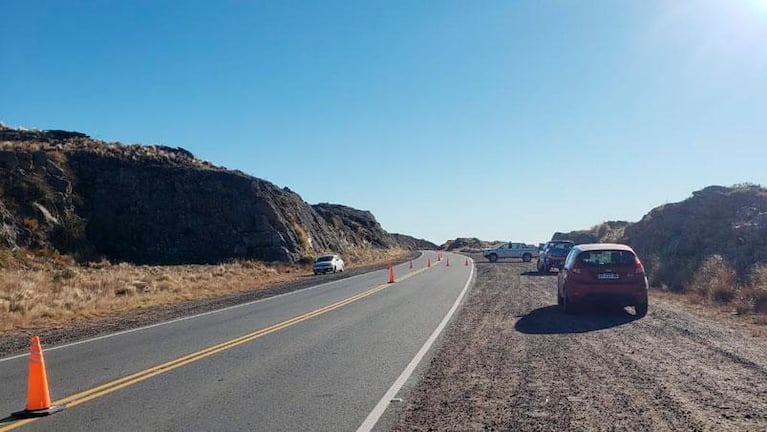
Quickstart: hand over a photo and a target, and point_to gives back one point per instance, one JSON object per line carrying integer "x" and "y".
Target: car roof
{"x": 604, "y": 246}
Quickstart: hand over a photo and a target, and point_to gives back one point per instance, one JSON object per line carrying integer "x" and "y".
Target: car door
{"x": 515, "y": 250}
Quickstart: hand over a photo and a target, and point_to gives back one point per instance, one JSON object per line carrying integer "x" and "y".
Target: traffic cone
{"x": 391, "y": 274}
{"x": 428, "y": 263}
{"x": 467, "y": 262}
{"x": 38, "y": 397}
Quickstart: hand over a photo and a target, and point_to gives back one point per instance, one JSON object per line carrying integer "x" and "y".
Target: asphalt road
{"x": 318, "y": 359}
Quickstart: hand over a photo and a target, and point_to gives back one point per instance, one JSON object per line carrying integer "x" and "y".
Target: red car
{"x": 602, "y": 273}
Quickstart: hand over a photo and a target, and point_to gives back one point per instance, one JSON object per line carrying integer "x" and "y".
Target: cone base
{"x": 37, "y": 413}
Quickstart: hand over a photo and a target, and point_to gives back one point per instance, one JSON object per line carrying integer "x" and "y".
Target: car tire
{"x": 492, "y": 257}
{"x": 546, "y": 269}
{"x": 316, "y": 273}
{"x": 527, "y": 257}
{"x": 641, "y": 309}
{"x": 539, "y": 266}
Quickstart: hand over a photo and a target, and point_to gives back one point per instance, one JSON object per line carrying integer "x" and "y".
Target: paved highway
{"x": 326, "y": 358}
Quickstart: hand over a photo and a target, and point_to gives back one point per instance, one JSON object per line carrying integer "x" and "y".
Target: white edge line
{"x": 199, "y": 315}
{"x": 380, "y": 408}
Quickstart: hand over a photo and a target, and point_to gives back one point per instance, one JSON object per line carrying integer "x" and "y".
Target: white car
{"x": 328, "y": 263}
{"x": 511, "y": 250}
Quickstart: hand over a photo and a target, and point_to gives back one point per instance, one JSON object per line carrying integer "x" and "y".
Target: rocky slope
{"x": 152, "y": 204}
{"x": 674, "y": 239}
{"x": 610, "y": 231}
{"x": 467, "y": 244}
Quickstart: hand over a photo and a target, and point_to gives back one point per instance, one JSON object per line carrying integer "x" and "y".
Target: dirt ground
{"x": 512, "y": 361}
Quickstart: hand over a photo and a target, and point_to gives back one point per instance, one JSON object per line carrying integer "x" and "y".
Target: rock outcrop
{"x": 160, "y": 205}
{"x": 673, "y": 240}
{"x": 412, "y": 243}
{"x": 607, "y": 232}
{"x": 467, "y": 244}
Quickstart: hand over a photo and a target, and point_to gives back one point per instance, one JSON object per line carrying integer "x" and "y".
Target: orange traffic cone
{"x": 38, "y": 397}
{"x": 428, "y": 263}
{"x": 391, "y": 274}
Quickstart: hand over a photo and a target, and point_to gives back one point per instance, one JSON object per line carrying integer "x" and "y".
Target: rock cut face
{"x": 159, "y": 205}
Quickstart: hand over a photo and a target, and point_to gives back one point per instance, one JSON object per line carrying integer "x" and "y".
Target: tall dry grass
{"x": 716, "y": 281}
{"x": 53, "y": 291}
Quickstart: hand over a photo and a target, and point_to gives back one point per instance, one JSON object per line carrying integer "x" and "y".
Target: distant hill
{"x": 65, "y": 191}
{"x": 467, "y": 244}
{"x": 673, "y": 240}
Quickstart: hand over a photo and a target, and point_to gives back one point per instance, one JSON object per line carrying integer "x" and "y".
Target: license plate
{"x": 608, "y": 276}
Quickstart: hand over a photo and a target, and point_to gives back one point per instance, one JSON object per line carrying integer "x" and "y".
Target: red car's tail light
{"x": 576, "y": 268}
{"x": 638, "y": 268}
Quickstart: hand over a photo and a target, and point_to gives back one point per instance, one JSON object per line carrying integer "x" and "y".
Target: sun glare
{"x": 759, "y": 5}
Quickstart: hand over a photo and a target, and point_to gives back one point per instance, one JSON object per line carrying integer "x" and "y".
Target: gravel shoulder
{"x": 511, "y": 360}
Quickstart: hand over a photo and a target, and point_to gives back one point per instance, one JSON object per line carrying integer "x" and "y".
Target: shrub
{"x": 31, "y": 224}
{"x": 715, "y": 279}
{"x": 304, "y": 241}
{"x": 760, "y": 301}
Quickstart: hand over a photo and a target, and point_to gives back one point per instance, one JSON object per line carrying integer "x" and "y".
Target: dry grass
{"x": 715, "y": 283}
{"x": 44, "y": 292}
{"x": 715, "y": 280}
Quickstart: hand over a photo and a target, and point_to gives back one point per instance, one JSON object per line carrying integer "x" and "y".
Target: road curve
{"x": 317, "y": 359}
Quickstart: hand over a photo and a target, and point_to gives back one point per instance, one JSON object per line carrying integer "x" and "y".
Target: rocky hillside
{"x": 467, "y": 244}
{"x": 674, "y": 239}
{"x": 610, "y": 231}
{"x": 359, "y": 228}
{"x": 413, "y": 243}
{"x": 152, "y": 204}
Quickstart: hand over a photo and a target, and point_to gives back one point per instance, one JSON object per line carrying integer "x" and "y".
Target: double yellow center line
{"x": 112, "y": 386}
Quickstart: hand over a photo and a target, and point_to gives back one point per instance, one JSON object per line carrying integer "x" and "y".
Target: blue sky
{"x": 496, "y": 119}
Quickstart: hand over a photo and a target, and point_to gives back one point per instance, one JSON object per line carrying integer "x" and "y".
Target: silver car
{"x": 328, "y": 263}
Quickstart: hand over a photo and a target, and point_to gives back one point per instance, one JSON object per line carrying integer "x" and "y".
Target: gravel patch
{"x": 512, "y": 361}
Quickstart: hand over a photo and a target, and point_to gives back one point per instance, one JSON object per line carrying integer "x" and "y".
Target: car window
{"x": 325, "y": 258}
{"x": 570, "y": 258}
{"x": 600, "y": 258}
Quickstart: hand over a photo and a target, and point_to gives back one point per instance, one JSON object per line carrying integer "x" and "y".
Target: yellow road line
{"x": 112, "y": 386}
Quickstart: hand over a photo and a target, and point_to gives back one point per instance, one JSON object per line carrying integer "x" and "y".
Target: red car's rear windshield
{"x": 601, "y": 258}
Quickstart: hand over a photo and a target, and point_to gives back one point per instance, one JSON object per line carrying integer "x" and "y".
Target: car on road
{"x": 511, "y": 250}
{"x": 328, "y": 263}
{"x": 553, "y": 255}
{"x": 605, "y": 274}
